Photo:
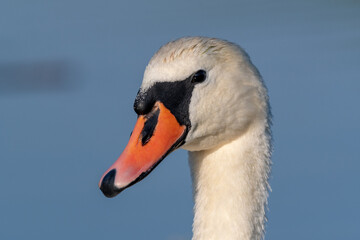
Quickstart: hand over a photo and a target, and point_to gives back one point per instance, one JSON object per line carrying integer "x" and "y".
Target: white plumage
{"x": 229, "y": 141}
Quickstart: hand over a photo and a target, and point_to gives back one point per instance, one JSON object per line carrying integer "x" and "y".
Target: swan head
{"x": 197, "y": 93}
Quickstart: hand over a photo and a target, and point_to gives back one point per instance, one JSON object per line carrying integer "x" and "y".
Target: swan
{"x": 204, "y": 95}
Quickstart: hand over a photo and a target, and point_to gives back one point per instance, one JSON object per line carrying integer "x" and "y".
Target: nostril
{"x": 108, "y": 186}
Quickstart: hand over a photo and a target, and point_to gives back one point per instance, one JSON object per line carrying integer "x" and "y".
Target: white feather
{"x": 229, "y": 140}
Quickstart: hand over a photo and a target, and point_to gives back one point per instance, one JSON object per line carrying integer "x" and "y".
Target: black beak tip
{"x": 107, "y": 185}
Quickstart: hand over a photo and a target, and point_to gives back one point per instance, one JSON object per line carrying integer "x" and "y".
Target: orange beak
{"x": 155, "y": 135}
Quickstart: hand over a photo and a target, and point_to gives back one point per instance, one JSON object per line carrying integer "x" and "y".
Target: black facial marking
{"x": 149, "y": 127}
{"x": 175, "y": 96}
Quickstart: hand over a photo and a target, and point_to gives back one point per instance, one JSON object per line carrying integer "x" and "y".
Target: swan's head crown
{"x": 225, "y": 104}
{"x": 178, "y": 59}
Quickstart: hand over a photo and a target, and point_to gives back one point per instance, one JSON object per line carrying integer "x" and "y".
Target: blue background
{"x": 69, "y": 72}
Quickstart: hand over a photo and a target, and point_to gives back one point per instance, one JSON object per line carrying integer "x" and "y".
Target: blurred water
{"x": 69, "y": 72}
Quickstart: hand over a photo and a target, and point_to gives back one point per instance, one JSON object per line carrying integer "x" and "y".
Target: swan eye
{"x": 199, "y": 76}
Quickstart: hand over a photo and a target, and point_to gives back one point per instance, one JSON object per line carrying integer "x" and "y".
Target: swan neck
{"x": 230, "y": 186}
